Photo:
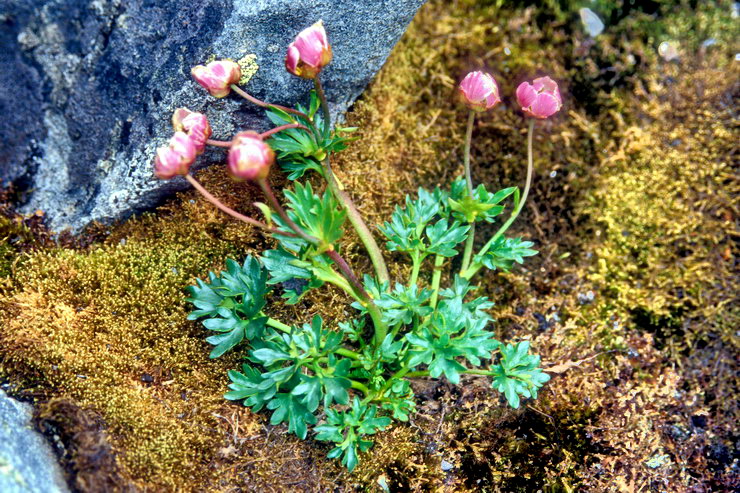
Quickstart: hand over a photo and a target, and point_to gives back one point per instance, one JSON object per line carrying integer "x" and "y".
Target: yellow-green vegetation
{"x": 634, "y": 201}
{"x": 106, "y": 327}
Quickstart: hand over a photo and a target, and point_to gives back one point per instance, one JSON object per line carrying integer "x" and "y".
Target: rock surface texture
{"x": 27, "y": 464}
{"x": 88, "y": 87}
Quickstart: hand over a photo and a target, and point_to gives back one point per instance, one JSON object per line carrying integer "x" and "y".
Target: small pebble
{"x": 591, "y": 22}
{"x": 668, "y": 50}
{"x": 586, "y": 298}
{"x": 446, "y": 466}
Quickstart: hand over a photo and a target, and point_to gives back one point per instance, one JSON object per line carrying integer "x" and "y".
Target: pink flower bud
{"x": 541, "y": 98}
{"x": 194, "y": 124}
{"x": 250, "y": 157}
{"x": 479, "y": 91}
{"x": 217, "y": 76}
{"x": 176, "y": 158}
{"x": 309, "y": 53}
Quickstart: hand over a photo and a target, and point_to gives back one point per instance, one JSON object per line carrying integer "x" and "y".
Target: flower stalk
{"x": 473, "y": 269}
{"x": 231, "y": 212}
{"x": 470, "y": 242}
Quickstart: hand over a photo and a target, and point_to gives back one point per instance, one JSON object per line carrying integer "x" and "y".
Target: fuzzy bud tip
{"x": 309, "y": 53}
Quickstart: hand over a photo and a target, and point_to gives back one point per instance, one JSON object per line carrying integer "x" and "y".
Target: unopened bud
{"x": 217, "y": 77}
{"x": 479, "y": 91}
{"x": 175, "y": 158}
{"x": 309, "y": 53}
{"x": 195, "y": 125}
{"x": 250, "y": 157}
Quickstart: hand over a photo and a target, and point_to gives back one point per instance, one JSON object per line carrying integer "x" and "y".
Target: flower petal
{"x": 525, "y": 94}
{"x": 545, "y": 105}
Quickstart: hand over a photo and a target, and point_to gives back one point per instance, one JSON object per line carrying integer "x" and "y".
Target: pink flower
{"x": 309, "y": 53}
{"x": 479, "y": 91}
{"x": 541, "y": 98}
{"x": 217, "y": 76}
{"x": 195, "y": 125}
{"x": 250, "y": 157}
{"x": 176, "y": 158}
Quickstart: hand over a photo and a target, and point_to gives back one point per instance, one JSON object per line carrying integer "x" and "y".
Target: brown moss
{"x": 82, "y": 444}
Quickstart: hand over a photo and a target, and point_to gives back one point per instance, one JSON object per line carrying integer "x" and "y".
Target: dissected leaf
{"x": 504, "y": 252}
{"x": 518, "y": 373}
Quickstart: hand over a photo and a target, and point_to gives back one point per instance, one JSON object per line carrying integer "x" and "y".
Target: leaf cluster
{"x": 293, "y": 372}
{"x": 299, "y": 150}
{"x": 482, "y": 206}
{"x": 296, "y": 264}
{"x": 504, "y": 252}
{"x": 342, "y": 382}
{"x": 423, "y": 227}
{"x": 517, "y": 373}
{"x": 232, "y": 303}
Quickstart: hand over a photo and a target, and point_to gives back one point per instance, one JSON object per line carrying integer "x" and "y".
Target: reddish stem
{"x": 218, "y": 143}
{"x": 348, "y": 273}
{"x": 213, "y": 200}
{"x": 258, "y": 102}
{"x": 287, "y": 126}
{"x": 331, "y": 253}
{"x": 270, "y": 195}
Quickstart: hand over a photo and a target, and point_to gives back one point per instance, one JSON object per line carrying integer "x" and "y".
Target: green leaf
{"x": 443, "y": 238}
{"x": 279, "y": 117}
{"x": 439, "y": 352}
{"x": 405, "y": 229}
{"x": 346, "y": 428}
{"x": 290, "y": 410}
{"x": 320, "y": 217}
{"x": 401, "y": 400}
{"x": 205, "y": 298}
{"x": 297, "y": 166}
{"x": 268, "y": 356}
{"x": 311, "y": 390}
{"x": 353, "y": 329}
{"x": 482, "y": 206}
{"x": 518, "y": 373}
{"x": 504, "y": 252}
{"x": 403, "y": 303}
{"x": 300, "y": 150}
{"x": 288, "y": 270}
{"x": 335, "y": 390}
{"x": 251, "y": 387}
{"x": 225, "y": 342}
{"x": 314, "y": 104}
{"x": 232, "y": 302}
{"x": 449, "y": 367}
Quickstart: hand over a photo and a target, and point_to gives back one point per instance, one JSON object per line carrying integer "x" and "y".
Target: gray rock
{"x": 88, "y": 86}
{"x": 27, "y": 463}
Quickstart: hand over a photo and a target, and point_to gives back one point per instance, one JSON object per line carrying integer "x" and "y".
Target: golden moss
{"x": 663, "y": 207}
{"x": 107, "y": 328}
